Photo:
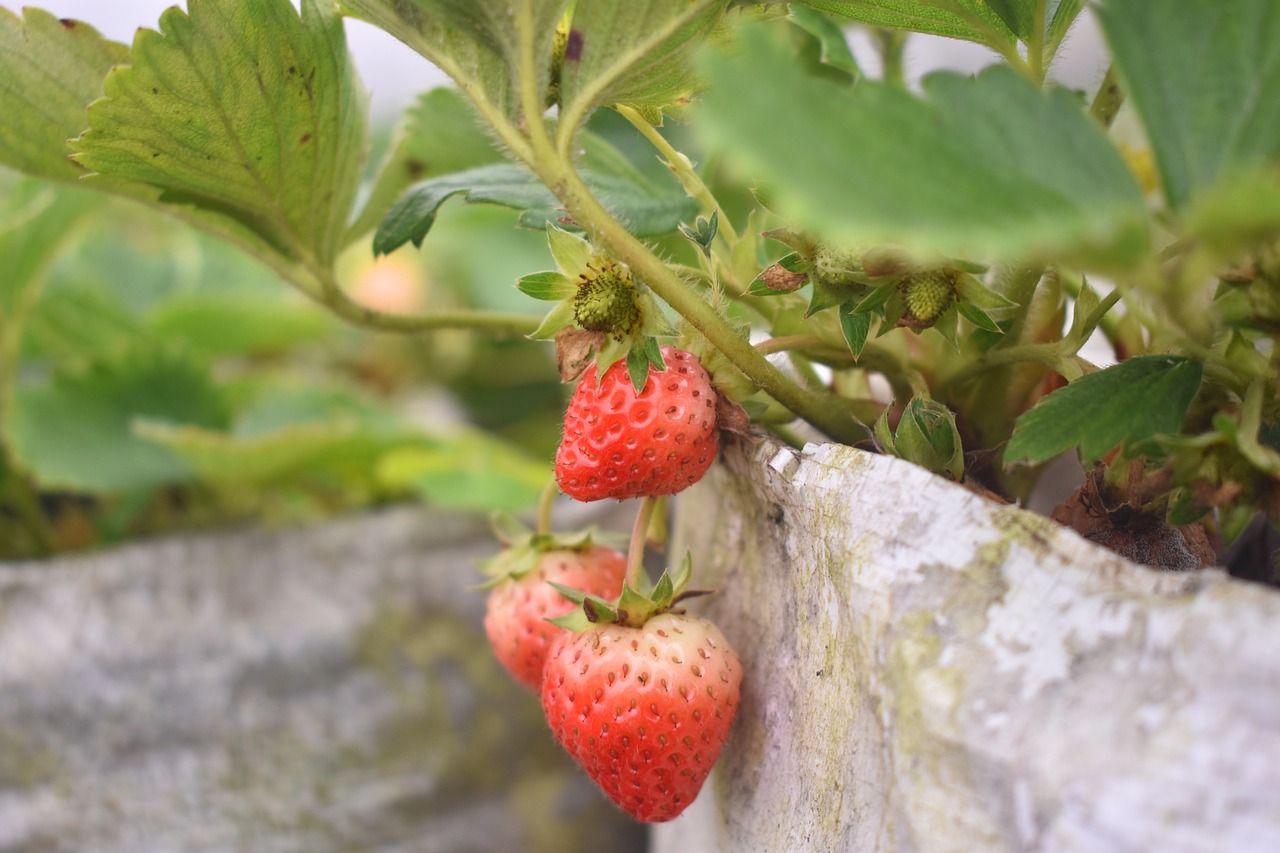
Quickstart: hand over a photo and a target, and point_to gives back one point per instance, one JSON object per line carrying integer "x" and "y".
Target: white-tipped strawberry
{"x": 643, "y": 699}
{"x": 522, "y": 597}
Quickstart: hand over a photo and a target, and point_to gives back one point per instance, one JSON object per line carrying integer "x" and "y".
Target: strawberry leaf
{"x": 1128, "y": 404}
{"x": 50, "y": 70}
{"x": 245, "y": 110}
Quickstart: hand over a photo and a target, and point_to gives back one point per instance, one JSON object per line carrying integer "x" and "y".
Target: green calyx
{"x": 634, "y": 607}
{"x": 927, "y": 295}
{"x": 605, "y": 300}
{"x": 523, "y": 549}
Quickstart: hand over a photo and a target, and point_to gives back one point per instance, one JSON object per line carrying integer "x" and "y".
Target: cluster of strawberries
{"x": 638, "y": 691}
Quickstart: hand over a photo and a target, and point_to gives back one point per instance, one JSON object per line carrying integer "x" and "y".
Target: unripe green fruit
{"x": 606, "y": 299}
{"x": 927, "y": 296}
{"x": 836, "y": 268}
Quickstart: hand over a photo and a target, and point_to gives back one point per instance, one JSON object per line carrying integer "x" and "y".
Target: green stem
{"x": 639, "y": 538}
{"x": 683, "y": 169}
{"x": 891, "y": 45}
{"x": 606, "y": 230}
{"x": 1108, "y": 100}
{"x": 1049, "y": 355}
{"x": 546, "y": 502}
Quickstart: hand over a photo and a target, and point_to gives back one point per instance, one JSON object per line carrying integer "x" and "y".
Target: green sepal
{"x": 797, "y": 240}
{"x": 523, "y": 548}
{"x": 970, "y": 289}
{"x": 876, "y": 299}
{"x": 894, "y": 307}
{"x": 592, "y": 610}
{"x": 558, "y": 318}
{"x": 821, "y": 299}
{"x": 570, "y": 251}
{"x": 884, "y": 437}
{"x": 855, "y": 327}
{"x": 794, "y": 264}
{"x": 644, "y": 354}
{"x": 549, "y": 286}
{"x": 948, "y": 325}
{"x": 633, "y": 604}
{"x": 654, "y": 323}
{"x": 978, "y": 317}
{"x": 610, "y": 353}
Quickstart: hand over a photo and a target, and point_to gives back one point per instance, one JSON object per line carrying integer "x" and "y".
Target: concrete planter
{"x": 317, "y": 690}
{"x": 928, "y": 671}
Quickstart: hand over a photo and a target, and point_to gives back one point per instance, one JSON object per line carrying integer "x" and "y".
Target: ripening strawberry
{"x": 518, "y": 607}
{"x": 620, "y": 444}
{"x": 644, "y": 710}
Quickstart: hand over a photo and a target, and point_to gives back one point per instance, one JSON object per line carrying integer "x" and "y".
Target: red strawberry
{"x": 518, "y": 607}
{"x": 620, "y": 444}
{"x": 644, "y": 710}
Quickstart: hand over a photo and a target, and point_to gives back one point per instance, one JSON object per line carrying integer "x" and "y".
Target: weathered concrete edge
{"x": 970, "y": 629}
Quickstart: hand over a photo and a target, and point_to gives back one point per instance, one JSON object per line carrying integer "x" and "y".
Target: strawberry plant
{"x": 977, "y": 273}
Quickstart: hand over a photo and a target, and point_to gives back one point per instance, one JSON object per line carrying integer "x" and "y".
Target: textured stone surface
{"x": 320, "y": 690}
{"x": 928, "y": 671}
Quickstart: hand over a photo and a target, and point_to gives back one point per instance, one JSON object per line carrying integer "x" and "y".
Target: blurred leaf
{"x": 50, "y": 70}
{"x": 77, "y": 431}
{"x": 221, "y": 324}
{"x": 646, "y": 210}
{"x": 970, "y": 20}
{"x": 1128, "y": 404}
{"x": 1237, "y": 213}
{"x": 833, "y": 46}
{"x": 470, "y": 471}
{"x": 1205, "y": 81}
{"x": 633, "y": 52}
{"x": 36, "y": 218}
{"x": 288, "y": 430}
{"x": 80, "y": 323}
{"x": 243, "y": 110}
{"x": 985, "y": 164}
{"x": 439, "y": 135}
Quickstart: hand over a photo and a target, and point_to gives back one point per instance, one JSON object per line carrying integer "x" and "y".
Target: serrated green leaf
{"x": 647, "y": 212}
{"x": 439, "y": 134}
{"x": 855, "y": 328}
{"x": 547, "y": 286}
{"x": 245, "y": 110}
{"x": 833, "y": 45}
{"x": 78, "y": 431}
{"x": 977, "y": 165}
{"x": 1205, "y": 81}
{"x": 970, "y": 20}
{"x": 633, "y": 52}
{"x": 50, "y": 70}
{"x": 1130, "y": 403}
{"x": 223, "y": 324}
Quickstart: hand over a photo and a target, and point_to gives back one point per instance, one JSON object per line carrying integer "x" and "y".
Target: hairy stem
{"x": 639, "y": 538}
